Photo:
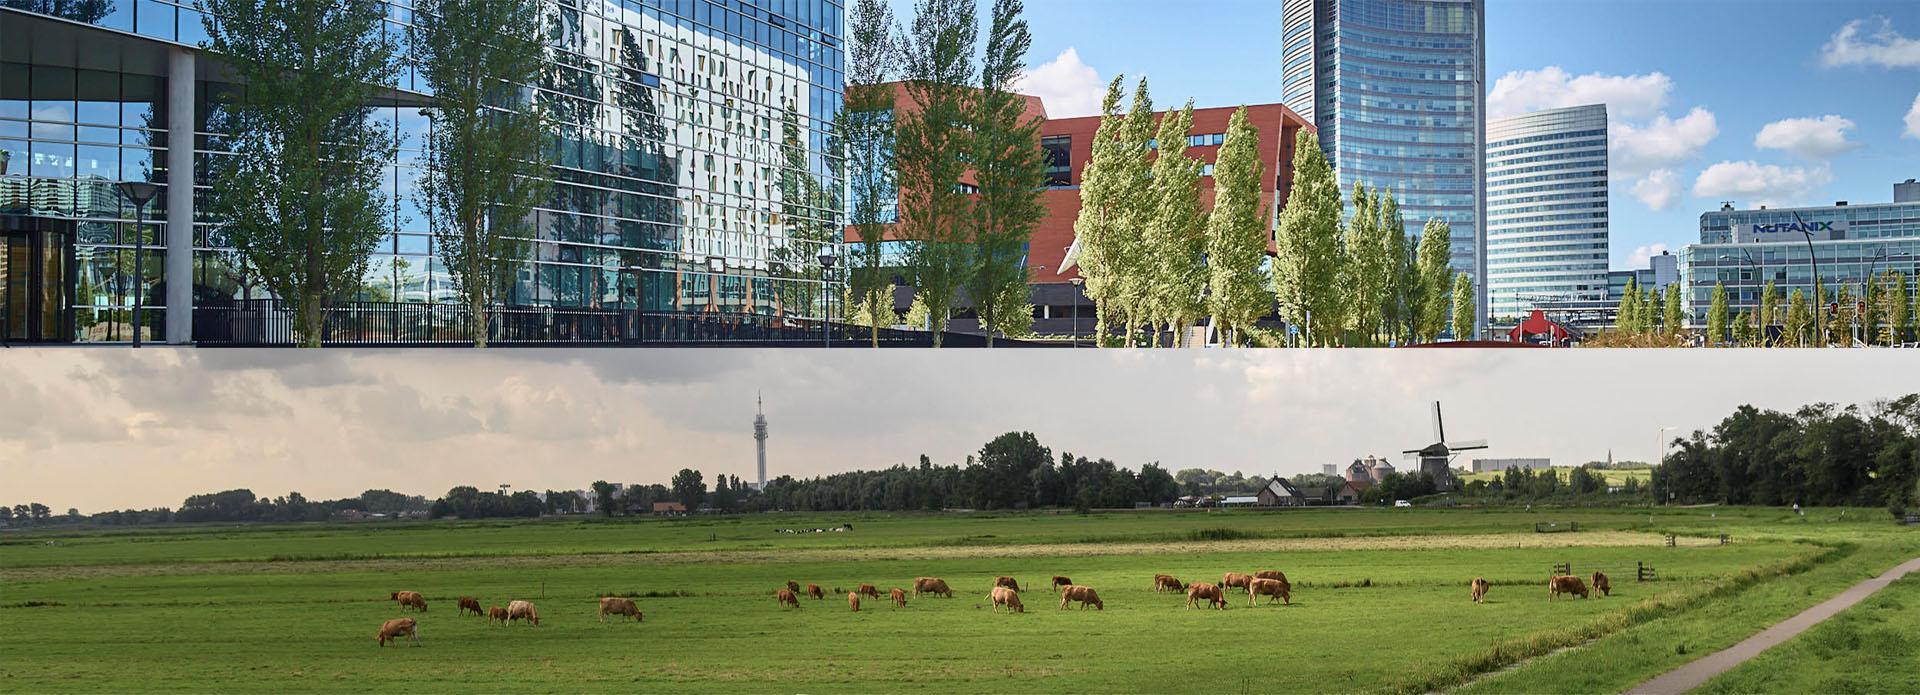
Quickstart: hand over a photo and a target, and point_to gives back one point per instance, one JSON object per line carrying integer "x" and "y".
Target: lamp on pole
{"x": 139, "y": 192}
{"x": 1819, "y": 325}
{"x": 826, "y": 287}
{"x": 1660, "y": 457}
{"x": 1076, "y": 282}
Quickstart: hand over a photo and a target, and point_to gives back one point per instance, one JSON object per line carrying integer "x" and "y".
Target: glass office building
{"x": 1397, "y": 91}
{"x": 692, "y": 174}
{"x": 1546, "y": 210}
{"x": 1744, "y": 249}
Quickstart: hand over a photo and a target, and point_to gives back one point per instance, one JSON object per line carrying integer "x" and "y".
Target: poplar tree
{"x": 867, "y": 126}
{"x": 301, "y": 190}
{"x": 1870, "y": 314}
{"x": 1675, "y": 316}
{"x": 1463, "y": 307}
{"x": 1743, "y": 328}
{"x": 485, "y": 164}
{"x": 1768, "y": 315}
{"x": 1010, "y": 168}
{"x": 1399, "y": 270}
{"x": 1717, "y": 316}
{"x": 1135, "y": 278}
{"x": 1237, "y": 230}
{"x": 1899, "y": 314}
{"x": 1799, "y": 321}
{"x": 1371, "y": 265}
{"x": 1431, "y": 266}
{"x": 1099, "y": 227}
{"x": 932, "y": 152}
{"x": 1306, "y": 269}
{"x": 1626, "y": 317}
{"x": 1176, "y": 234}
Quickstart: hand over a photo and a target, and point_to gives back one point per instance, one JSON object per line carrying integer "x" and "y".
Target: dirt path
{"x": 1697, "y": 673}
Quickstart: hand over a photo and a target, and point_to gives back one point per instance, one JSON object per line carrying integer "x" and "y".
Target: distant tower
{"x": 1329, "y": 469}
{"x": 760, "y": 436}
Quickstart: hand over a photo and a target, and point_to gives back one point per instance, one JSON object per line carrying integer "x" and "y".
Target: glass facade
{"x": 692, "y": 172}
{"x": 1546, "y": 210}
{"x": 1397, "y": 91}
{"x": 1744, "y": 249}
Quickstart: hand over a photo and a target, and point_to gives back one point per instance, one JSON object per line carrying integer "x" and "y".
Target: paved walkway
{"x": 1697, "y": 673}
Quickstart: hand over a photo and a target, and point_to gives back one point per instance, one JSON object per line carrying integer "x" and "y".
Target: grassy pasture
{"x": 209, "y": 609}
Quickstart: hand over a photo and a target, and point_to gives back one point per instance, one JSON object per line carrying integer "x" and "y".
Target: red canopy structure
{"x": 1538, "y": 329}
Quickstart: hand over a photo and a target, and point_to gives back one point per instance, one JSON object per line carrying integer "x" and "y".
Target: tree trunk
{"x": 477, "y": 311}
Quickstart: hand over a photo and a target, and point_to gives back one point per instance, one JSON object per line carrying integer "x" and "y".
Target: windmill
{"x": 1436, "y": 459}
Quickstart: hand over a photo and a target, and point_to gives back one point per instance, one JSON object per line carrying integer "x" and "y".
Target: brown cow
{"x": 1270, "y": 574}
{"x": 853, "y": 601}
{"x": 1007, "y": 582}
{"x": 793, "y": 586}
{"x": 931, "y": 585}
{"x": 814, "y": 592}
{"x": 1565, "y": 585}
{"x": 497, "y": 613}
{"x": 393, "y": 630}
{"x": 623, "y": 607}
{"x": 1166, "y": 582}
{"x": 517, "y": 610}
{"x": 1601, "y": 584}
{"x": 1270, "y": 588}
{"x": 1003, "y": 596}
{"x": 410, "y": 599}
{"x": 1059, "y": 581}
{"x": 1202, "y": 590}
{"x": 1480, "y": 587}
{"x": 1083, "y": 594}
{"x": 1233, "y": 579}
{"x": 868, "y": 591}
{"x": 469, "y": 603}
{"x": 899, "y": 597}
{"x": 786, "y": 598}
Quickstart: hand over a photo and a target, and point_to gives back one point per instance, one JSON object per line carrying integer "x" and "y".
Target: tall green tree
{"x": 932, "y": 153}
{"x": 301, "y": 191}
{"x": 1799, "y": 320}
{"x": 1176, "y": 233}
{"x": 689, "y": 488}
{"x": 1399, "y": 272}
{"x": 1871, "y": 314}
{"x": 1431, "y": 266}
{"x": 1768, "y": 315}
{"x": 1899, "y": 313}
{"x": 1237, "y": 292}
{"x": 1675, "y": 315}
{"x": 1743, "y": 329}
{"x": 1134, "y": 281}
{"x": 1306, "y": 262}
{"x": 1717, "y": 316}
{"x": 1627, "y": 316}
{"x": 1372, "y": 265}
{"x": 1463, "y": 307}
{"x": 485, "y": 166}
{"x": 867, "y": 127}
{"x": 1010, "y": 168}
{"x": 1100, "y": 228}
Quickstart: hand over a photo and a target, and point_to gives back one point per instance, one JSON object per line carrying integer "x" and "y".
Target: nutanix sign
{"x": 1820, "y": 230}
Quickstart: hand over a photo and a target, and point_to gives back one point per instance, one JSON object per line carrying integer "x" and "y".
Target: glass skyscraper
{"x": 692, "y": 173}
{"x": 1546, "y": 210}
{"x": 1397, "y": 91}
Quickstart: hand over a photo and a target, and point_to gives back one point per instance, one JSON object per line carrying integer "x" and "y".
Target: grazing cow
{"x": 853, "y": 601}
{"x": 409, "y": 599}
{"x": 1565, "y": 585}
{"x": 623, "y": 607}
{"x": 868, "y": 591}
{"x": 793, "y": 586}
{"x": 1084, "y": 594}
{"x": 1270, "y": 574}
{"x": 1214, "y": 597}
{"x": 1233, "y": 579}
{"x": 899, "y": 597}
{"x": 517, "y": 610}
{"x": 1601, "y": 584}
{"x": 1059, "y": 581}
{"x": 469, "y": 603}
{"x": 497, "y": 613}
{"x": 1480, "y": 587}
{"x": 1003, "y": 596}
{"x": 1007, "y": 582}
{"x": 931, "y": 585}
{"x": 786, "y": 598}
{"x": 1166, "y": 582}
{"x": 814, "y": 592}
{"x": 393, "y": 630}
{"x": 1270, "y": 588}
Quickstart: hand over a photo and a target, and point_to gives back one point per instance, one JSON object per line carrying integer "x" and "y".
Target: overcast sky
{"x": 112, "y": 428}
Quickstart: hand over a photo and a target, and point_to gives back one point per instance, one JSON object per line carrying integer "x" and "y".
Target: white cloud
{"x": 1657, "y": 189}
{"x": 1065, "y": 85}
{"x": 1913, "y": 119}
{"x": 1885, "y": 47}
{"x": 1660, "y": 143}
{"x": 1644, "y": 254}
{"x": 1760, "y": 184}
{"x": 1626, "y": 96}
{"x": 1813, "y": 138}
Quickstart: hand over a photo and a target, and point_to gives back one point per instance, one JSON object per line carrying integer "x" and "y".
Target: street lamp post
{"x": 1660, "y": 457}
{"x": 1076, "y": 282}
{"x": 139, "y": 192}
{"x": 1819, "y": 325}
{"x": 826, "y": 287}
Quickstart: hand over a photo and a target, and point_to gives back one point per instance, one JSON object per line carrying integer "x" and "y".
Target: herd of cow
{"x": 1005, "y": 593}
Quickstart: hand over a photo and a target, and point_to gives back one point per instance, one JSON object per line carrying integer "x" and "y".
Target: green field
{"x": 1379, "y": 603}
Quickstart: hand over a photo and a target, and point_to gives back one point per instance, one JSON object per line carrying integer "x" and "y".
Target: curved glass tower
{"x": 1397, "y": 90}
{"x": 1546, "y": 210}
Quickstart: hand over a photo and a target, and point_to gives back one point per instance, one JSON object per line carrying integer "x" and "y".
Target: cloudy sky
{"x": 108, "y": 429}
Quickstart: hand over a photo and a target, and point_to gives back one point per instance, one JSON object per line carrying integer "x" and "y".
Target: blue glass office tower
{"x": 692, "y": 175}
{"x": 1397, "y": 91}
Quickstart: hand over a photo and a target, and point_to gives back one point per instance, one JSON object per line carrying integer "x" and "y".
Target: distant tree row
{"x": 228, "y": 505}
{"x": 1821, "y": 454}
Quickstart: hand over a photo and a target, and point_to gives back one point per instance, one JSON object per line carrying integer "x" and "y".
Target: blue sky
{"x": 1742, "y": 64}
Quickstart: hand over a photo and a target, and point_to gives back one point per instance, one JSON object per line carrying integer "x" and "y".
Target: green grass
{"x": 1380, "y": 601}
{"x": 1873, "y": 647}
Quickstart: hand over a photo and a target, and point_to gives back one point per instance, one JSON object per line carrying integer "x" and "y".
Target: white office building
{"x": 1546, "y": 210}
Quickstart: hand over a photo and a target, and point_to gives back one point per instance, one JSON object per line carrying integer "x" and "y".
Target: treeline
{"x": 227, "y": 505}
{"x": 1585, "y": 484}
{"x": 1883, "y": 312}
{"x": 1821, "y": 454}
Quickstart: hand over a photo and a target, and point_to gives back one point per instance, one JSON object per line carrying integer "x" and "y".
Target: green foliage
{"x": 1396, "y": 302}
{"x": 1799, "y": 320}
{"x": 933, "y": 144}
{"x": 1463, "y": 307}
{"x": 1010, "y": 168}
{"x": 689, "y": 488}
{"x": 1897, "y": 309}
{"x": 1818, "y": 455}
{"x": 1374, "y": 245}
{"x": 866, "y": 127}
{"x": 1307, "y": 260}
{"x": 1434, "y": 278}
{"x": 1099, "y": 229}
{"x": 1176, "y": 232}
{"x": 1237, "y": 293}
{"x": 301, "y": 191}
{"x": 1674, "y": 318}
{"x": 1717, "y": 316}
